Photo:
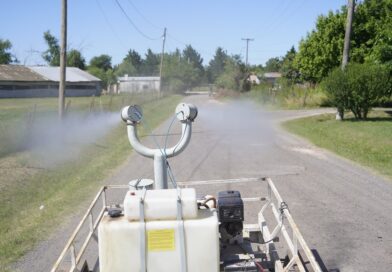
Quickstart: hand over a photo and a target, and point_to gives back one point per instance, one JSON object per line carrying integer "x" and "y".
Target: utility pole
{"x": 247, "y": 47}
{"x": 346, "y": 49}
{"x": 347, "y": 36}
{"x": 161, "y": 66}
{"x": 63, "y": 58}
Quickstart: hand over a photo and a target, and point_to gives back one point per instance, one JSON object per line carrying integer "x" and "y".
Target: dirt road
{"x": 343, "y": 211}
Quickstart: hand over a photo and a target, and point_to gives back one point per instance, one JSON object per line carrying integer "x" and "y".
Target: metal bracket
{"x": 143, "y": 265}
{"x": 181, "y": 231}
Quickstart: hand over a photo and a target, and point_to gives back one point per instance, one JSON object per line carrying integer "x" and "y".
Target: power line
{"x": 144, "y": 17}
{"x": 109, "y": 24}
{"x": 134, "y": 25}
{"x": 176, "y": 40}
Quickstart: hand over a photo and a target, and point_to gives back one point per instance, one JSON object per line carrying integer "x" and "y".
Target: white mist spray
{"x": 53, "y": 142}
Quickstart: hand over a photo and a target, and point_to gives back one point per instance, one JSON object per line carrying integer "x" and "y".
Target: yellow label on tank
{"x": 161, "y": 240}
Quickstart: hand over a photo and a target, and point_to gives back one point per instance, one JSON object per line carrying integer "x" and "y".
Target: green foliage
{"x": 273, "y": 65}
{"x": 288, "y": 68}
{"x": 321, "y": 51}
{"x": 103, "y": 62}
{"x": 101, "y": 67}
{"x": 216, "y": 65}
{"x": 233, "y": 76}
{"x": 182, "y": 70}
{"x": 191, "y": 56}
{"x": 108, "y": 77}
{"x": 52, "y": 54}
{"x": 5, "y": 55}
{"x": 177, "y": 74}
{"x": 151, "y": 64}
{"x": 372, "y": 35}
{"x": 125, "y": 68}
{"x": 135, "y": 60}
{"x": 75, "y": 59}
{"x": 337, "y": 90}
{"x": 358, "y": 87}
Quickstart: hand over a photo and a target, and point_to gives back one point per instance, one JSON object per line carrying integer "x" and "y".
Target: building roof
{"x": 73, "y": 74}
{"x": 10, "y": 72}
{"x": 128, "y": 78}
{"x": 272, "y": 75}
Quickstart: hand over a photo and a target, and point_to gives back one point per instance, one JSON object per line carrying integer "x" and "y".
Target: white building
{"x": 128, "y": 84}
{"x": 254, "y": 79}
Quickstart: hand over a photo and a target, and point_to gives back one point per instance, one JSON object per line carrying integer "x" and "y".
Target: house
{"x": 17, "y": 81}
{"x": 128, "y": 84}
{"x": 272, "y": 77}
{"x": 254, "y": 79}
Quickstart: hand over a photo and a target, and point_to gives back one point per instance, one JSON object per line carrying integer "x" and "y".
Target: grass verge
{"x": 366, "y": 142}
{"x": 288, "y": 97}
{"x": 38, "y": 199}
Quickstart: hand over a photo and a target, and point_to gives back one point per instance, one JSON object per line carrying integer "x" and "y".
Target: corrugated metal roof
{"x": 272, "y": 75}
{"x": 10, "y": 72}
{"x": 128, "y": 78}
{"x": 73, "y": 74}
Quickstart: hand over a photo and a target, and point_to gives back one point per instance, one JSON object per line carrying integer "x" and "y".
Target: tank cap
{"x": 139, "y": 184}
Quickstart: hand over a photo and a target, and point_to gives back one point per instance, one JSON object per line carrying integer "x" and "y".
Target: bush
{"x": 336, "y": 87}
{"x": 357, "y": 88}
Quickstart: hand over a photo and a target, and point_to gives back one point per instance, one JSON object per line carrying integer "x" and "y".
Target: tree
{"x": 151, "y": 64}
{"x": 5, "y": 56}
{"x": 288, "y": 68}
{"x": 216, "y": 65}
{"x": 103, "y": 62}
{"x": 177, "y": 74}
{"x": 135, "y": 59}
{"x": 75, "y": 59}
{"x": 273, "y": 65}
{"x": 321, "y": 51}
{"x": 125, "y": 68}
{"x": 101, "y": 67}
{"x": 108, "y": 77}
{"x": 193, "y": 58}
{"x": 234, "y": 76}
{"x": 52, "y": 54}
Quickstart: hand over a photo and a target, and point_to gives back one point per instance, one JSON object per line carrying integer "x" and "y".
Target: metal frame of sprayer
{"x": 185, "y": 113}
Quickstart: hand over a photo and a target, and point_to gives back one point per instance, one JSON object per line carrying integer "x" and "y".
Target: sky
{"x": 98, "y": 27}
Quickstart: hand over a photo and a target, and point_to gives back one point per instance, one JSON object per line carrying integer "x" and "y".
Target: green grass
{"x": 287, "y": 97}
{"x": 24, "y": 188}
{"x": 368, "y": 143}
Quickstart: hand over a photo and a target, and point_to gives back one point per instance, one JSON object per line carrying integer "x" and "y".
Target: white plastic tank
{"x": 160, "y": 204}
{"x": 119, "y": 244}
